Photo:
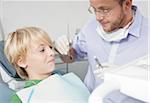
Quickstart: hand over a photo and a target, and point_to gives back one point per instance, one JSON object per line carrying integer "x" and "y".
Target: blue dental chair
{"x": 5, "y": 91}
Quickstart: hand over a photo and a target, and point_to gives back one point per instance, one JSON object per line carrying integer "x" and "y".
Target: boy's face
{"x": 40, "y": 59}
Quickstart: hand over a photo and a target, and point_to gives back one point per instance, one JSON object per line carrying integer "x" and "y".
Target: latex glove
{"x": 63, "y": 44}
{"x": 99, "y": 72}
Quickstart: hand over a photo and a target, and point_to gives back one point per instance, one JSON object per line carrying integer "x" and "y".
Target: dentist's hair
{"x": 18, "y": 43}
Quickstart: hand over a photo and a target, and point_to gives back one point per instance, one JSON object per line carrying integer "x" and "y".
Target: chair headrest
{"x": 5, "y": 63}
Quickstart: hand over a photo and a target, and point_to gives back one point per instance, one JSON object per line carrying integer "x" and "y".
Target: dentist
{"x": 116, "y": 34}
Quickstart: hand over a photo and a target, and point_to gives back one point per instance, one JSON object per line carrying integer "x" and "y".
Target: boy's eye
{"x": 50, "y": 47}
{"x": 42, "y": 50}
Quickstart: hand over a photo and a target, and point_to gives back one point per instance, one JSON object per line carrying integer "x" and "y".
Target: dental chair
{"x": 5, "y": 92}
{"x": 7, "y": 73}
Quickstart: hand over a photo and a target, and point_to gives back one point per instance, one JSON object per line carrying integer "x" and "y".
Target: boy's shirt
{"x": 16, "y": 99}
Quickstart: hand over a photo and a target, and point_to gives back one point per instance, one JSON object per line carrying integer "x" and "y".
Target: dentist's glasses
{"x": 100, "y": 11}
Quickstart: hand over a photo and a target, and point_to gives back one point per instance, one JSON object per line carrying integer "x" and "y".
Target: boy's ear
{"x": 21, "y": 62}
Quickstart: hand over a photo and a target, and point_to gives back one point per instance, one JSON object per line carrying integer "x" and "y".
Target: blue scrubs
{"x": 88, "y": 43}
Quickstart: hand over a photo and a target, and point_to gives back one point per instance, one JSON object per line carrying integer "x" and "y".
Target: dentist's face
{"x": 40, "y": 59}
{"x": 109, "y": 13}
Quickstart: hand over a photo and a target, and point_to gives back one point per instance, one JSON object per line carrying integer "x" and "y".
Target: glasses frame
{"x": 98, "y": 12}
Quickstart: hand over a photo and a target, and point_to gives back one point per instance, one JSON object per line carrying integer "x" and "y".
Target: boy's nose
{"x": 50, "y": 52}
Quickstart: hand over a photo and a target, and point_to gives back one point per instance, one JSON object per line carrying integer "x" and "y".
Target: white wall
{"x": 53, "y": 16}
{"x": 1, "y": 30}
{"x": 143, "y": 6}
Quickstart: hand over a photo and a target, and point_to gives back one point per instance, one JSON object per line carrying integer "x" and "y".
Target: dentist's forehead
{"x": 102, "y": 2}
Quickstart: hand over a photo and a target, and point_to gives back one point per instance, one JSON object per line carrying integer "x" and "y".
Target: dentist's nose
{"x": 99, "y": 17}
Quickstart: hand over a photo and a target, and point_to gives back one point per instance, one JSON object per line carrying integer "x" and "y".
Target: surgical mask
{"x": 116, "y": 35}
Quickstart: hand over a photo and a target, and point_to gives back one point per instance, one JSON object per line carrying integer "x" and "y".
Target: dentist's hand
{"x": 64, "y": 46}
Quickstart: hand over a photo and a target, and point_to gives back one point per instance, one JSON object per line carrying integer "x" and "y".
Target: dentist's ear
{"x": 128, "y": 4}
{"x": 21, "y": 62}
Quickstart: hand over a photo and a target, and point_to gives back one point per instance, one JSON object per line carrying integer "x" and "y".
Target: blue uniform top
{"x": 88, "y": 43}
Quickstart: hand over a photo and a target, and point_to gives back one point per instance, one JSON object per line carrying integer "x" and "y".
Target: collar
{"x": 134, "y": 28}
{"x": 31, "y": 83}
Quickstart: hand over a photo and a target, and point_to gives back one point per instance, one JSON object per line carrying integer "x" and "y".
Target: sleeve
{"x": 15, "y": 99}
{"x": 89, "y": 80}
{"x": 80, "y": 41}
{"x": 117, "y": 97}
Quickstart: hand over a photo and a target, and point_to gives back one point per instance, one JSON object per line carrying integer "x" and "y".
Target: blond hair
{"x": 18, "y": 43}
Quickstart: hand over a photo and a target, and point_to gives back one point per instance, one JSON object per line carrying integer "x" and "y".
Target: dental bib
{"x": 56, "y": 89}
